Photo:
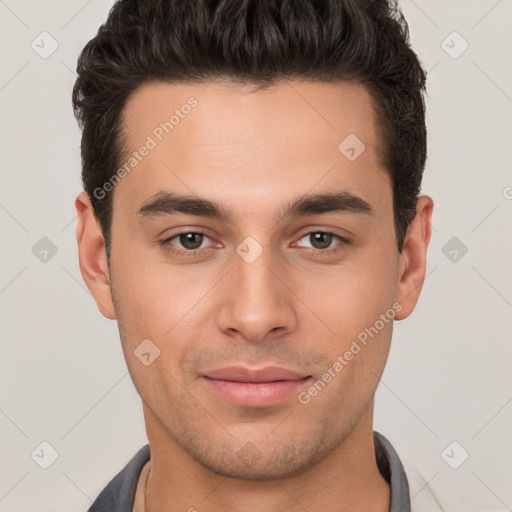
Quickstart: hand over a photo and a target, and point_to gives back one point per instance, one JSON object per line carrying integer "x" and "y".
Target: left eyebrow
{"x": 166, "y": 203}
{"x": 337, "y": 201}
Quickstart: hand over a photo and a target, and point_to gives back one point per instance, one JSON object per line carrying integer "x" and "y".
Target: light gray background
{"x": 63, "y": 375}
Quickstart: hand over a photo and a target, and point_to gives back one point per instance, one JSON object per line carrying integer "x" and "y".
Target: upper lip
{"x": 242, "y": 374}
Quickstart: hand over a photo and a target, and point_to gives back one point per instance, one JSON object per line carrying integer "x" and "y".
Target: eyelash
{"x": 198, "y": 252}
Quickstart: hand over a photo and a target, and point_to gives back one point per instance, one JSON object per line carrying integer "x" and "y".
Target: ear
{"x": 92, "y": 255}
{"x": 413, "y": 259}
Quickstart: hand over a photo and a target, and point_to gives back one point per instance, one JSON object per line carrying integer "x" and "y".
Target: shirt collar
{"x": 392, "y": 469}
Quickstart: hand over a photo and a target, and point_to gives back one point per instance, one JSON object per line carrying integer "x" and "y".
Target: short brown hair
{"x": 253, "y": 42}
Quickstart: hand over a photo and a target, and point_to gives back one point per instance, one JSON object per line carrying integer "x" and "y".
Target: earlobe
{"x": 92, "y": 255}
{"x": 413, "y": 259}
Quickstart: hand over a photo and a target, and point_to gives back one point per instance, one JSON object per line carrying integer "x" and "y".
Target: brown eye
{"x": 323, "y": 242}
{"x": 320, "y": 239}
{"x": 190, "y": 241}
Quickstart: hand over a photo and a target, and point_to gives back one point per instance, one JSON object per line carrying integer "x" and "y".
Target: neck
{"x": 346, "y": 480}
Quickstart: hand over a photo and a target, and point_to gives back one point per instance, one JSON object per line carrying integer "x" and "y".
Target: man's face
{"x": 258, "y": 288}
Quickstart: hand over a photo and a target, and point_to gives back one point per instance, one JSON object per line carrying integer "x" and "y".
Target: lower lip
{"x": 251, "y": 394}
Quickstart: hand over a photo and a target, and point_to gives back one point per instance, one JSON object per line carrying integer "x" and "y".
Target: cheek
{"x": 162, "y": 304}
{"x": 152, "y": 294}
{"x": 350, "y": 297}
{"x": 355, "y": 360}
{"x": 350, "y": 302}
{"x": 155, "y": 332}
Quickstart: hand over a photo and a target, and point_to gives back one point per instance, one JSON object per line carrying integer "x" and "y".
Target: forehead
{"x": 313, "y": 109}
{"x": 223, "y": 141}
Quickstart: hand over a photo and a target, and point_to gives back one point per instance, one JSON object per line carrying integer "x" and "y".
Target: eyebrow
{"x": 166, "y": 203}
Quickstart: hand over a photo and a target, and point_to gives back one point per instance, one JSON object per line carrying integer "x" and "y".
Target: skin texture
{"x": 293, "y": 307}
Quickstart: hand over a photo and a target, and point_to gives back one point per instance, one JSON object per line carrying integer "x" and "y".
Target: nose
{"x": 257, "y": 298}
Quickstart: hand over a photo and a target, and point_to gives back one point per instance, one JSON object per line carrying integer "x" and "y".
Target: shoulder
{"x": 433, "y": 493}
{"x": 119, "y": 494}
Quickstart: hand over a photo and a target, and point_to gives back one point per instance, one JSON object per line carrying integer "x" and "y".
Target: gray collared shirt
{"x": 119, "y": 494}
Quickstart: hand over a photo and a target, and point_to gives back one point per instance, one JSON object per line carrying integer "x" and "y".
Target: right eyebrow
{"x": 166, "y": 203}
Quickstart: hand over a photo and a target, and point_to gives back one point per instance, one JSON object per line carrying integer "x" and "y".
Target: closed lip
{"x": 243, "y": 374}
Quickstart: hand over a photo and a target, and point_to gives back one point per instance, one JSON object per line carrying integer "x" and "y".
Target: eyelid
{"x": 343, "y": 241}
{"x": 197, "y": 231}
{"x": 321, "y": 231}
{"x": 166, "y": 243}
